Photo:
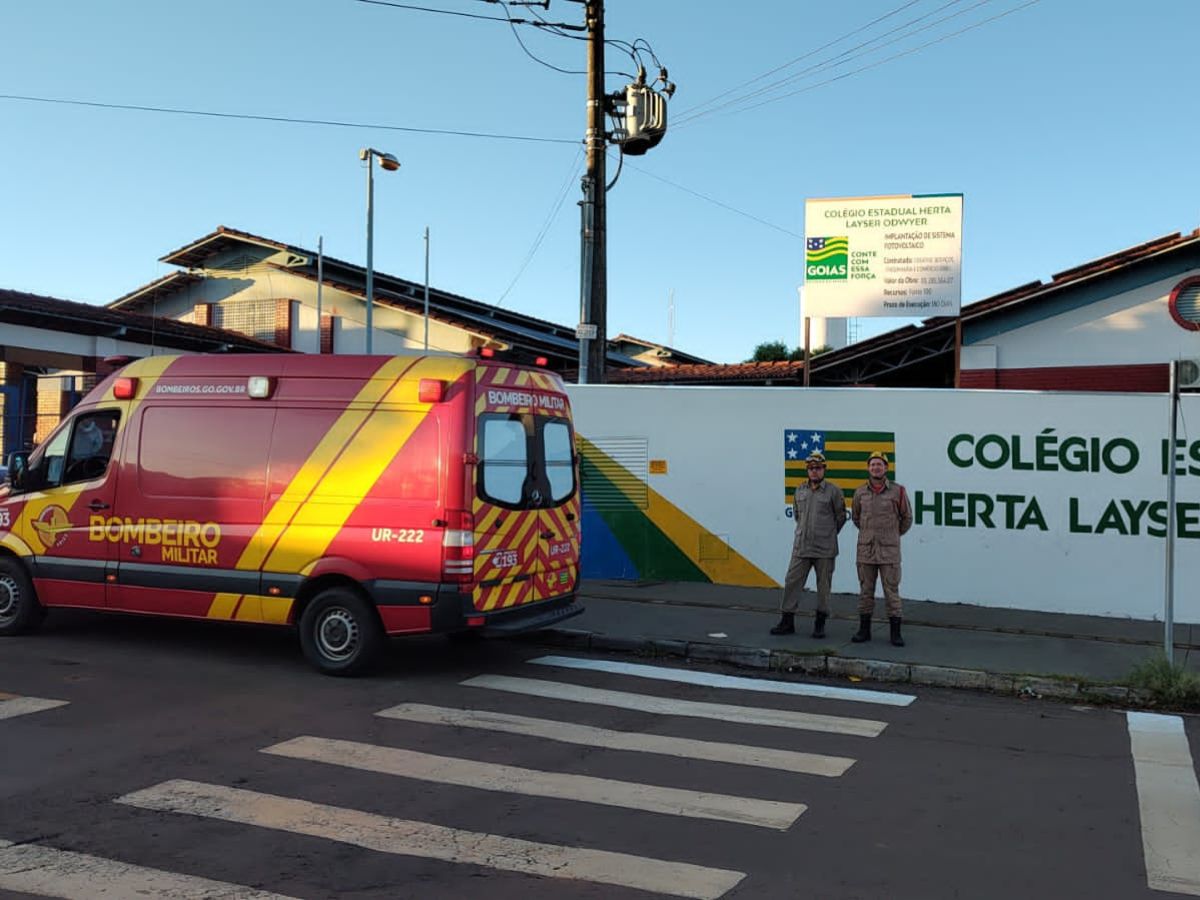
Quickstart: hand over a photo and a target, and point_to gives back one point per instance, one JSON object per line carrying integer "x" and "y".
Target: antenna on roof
{"x": 671, "y": 319}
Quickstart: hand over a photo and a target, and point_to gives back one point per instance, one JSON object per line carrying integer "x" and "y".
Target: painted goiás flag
{"x": 845, "y": 452}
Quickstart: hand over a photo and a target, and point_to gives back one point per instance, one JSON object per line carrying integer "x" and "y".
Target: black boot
{"x": 864, "y": 629}
{"x": 787, "y": 624}
{"x": 897, "y": 641}
{"x": 819, "y": 625}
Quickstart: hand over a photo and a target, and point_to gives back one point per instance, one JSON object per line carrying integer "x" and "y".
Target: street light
{"x": 388, "y": 163}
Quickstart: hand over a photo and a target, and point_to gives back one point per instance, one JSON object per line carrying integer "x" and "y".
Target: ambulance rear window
{"x": 560, "y": 462}
{"x": 504, "y": 458}
{"x": 525, "y": 461}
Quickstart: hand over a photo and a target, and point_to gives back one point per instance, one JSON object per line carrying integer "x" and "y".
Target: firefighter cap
{"x": 816, "y": 458}
{"x": 878, "y": 454}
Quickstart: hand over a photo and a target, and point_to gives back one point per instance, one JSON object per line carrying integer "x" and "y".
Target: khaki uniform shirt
{"x": 881, "y": 519}
{"x": 819, "y": 516}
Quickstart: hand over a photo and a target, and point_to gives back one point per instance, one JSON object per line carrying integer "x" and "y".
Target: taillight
{"x": 458, "y": 546}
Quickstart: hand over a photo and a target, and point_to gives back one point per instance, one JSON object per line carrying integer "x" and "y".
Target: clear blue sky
{"x": 1069, "y": 126}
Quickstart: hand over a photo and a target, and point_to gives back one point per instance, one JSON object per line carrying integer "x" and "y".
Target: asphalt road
{"x": 157, "y": 761}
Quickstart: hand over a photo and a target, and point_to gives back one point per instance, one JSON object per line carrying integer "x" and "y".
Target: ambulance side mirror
{"x": 18, "y": 465}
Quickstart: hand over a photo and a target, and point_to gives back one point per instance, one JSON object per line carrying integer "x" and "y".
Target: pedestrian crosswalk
{"x": 12, "y": 705}
{"x": 610, "y": 739}
{"x": 723, "y": 712}
{"x": 1168, "y": 801}
{"x": 47, "y": 872}
{"x": 489, "y": 767}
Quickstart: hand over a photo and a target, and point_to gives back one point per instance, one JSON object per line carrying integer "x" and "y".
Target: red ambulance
{"x": 355, "y": 497}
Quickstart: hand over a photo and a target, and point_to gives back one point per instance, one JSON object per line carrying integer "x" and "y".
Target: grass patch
{"x": 1169, "y": 684}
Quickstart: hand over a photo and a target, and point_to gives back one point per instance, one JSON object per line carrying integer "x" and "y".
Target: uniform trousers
{"x": 797, "y": 574}
{"x": 890, "y": 576}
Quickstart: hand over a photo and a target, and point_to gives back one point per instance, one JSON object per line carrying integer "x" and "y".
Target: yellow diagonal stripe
{"x": 317, "y": 513}
{"x": 680, "y": 528}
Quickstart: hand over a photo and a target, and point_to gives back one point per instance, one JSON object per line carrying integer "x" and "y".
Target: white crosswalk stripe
{"x": 408, "y": 838}
{"x": 1168, "y": 800}
{"x": 46, "y": 872}
{"x": 608, "y": 739}
{"x": 732, "y": 682}
{"x": 531, "y": 782}
{"x": 745, "y": 715}
{"x": 11, "y": 706}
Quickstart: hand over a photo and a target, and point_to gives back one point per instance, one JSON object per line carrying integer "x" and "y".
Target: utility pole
{"x": 593, "y": 336}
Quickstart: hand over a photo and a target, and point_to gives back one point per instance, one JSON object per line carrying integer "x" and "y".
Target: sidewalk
{"x": 953, "y": 645}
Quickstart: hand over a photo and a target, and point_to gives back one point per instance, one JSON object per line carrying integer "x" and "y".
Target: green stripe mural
{"x": 657, "y": 538}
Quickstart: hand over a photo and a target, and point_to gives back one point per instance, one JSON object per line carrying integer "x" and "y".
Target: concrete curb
{"x": 911, "y": 619}
{"x": 829, "y": 665}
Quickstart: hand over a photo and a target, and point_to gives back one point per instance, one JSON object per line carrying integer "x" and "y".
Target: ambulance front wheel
{"x": 20, "y": 611}
{"x": 340, "y": 633}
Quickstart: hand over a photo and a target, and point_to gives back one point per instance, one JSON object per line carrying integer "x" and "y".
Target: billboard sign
{"x": 898, "y": 255}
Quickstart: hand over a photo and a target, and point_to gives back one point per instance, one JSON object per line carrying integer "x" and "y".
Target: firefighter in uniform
{"x": 882, "y": 513}
{"x": 820, "y": 512}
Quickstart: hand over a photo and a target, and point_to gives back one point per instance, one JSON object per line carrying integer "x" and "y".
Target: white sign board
{"x": 883, "y": 256}
{"x": 586, "y": 331}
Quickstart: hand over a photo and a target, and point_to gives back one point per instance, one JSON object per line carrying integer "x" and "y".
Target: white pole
{"x": 320, "y": 283}
{"x": 370, "y": 239}
{"x": 1169, "y": 601}
{"x": 426, "y": 287}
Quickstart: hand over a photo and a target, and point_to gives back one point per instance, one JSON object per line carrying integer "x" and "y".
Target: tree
{"x": 777, "y": 351}
{"x": 770, "y": 351}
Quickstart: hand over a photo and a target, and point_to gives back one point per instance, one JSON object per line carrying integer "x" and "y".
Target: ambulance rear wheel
{"x": 20, "y": 611}
{"x": 340, "y": 632}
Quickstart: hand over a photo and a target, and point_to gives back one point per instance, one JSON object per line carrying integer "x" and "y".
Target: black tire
{"x": 20, "y": 611}
{"x": 340, "y": 632}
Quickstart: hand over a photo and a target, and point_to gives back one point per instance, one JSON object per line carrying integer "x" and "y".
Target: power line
{"x": 550, "y": 217}
{"x": 726, "y": 206}
{"x": 290, "y": 120}
{"x": 895, "y": 56}
{"x": 805, "y": 56}
{"x": 428, "y": 9}
{"x": 466, "y": 15}
{"x": 839, "y": 59}
{"x": 512, "y": 23}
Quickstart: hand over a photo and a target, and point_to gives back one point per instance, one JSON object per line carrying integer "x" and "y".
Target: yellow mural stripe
{"x": 680, "y": 528}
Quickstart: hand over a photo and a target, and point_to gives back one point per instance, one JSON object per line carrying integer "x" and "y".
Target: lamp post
{"x": 388, "y": 163}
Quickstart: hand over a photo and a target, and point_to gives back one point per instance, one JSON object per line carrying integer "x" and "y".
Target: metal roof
{"x": 36, "y": 311}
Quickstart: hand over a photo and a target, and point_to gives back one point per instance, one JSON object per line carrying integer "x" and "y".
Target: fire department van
{"x": 352, "y": 497}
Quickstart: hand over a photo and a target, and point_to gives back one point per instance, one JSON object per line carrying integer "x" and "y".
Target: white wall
{"x": 1131, "y": 328}
{"x": 724, "y": 449}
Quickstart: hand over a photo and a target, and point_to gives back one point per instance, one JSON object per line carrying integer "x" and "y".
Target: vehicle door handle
{"x": 570, "y": 517}
{"x": 97, "y": 505}
{"x": 546, "y": 535}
